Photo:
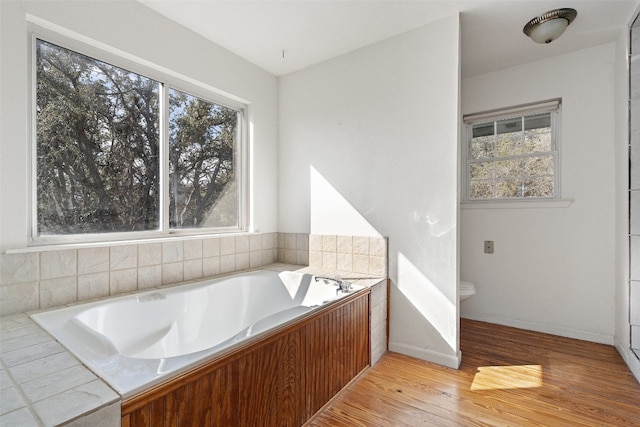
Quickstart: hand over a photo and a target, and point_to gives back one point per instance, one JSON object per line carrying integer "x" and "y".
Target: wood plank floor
{"x": 508, "y": 377}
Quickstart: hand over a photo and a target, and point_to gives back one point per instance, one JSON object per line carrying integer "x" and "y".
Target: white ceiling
{"x": 312, "y": 31}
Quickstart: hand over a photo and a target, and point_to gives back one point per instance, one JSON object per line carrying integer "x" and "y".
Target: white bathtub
{"x": 135, "y": 341}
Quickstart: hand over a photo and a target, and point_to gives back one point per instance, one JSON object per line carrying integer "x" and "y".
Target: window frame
{"x": 168, "y": 79}
{"x": 552, "y": 106}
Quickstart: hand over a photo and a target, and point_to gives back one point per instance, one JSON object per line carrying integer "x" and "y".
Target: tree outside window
{"x": 99, "y": 149}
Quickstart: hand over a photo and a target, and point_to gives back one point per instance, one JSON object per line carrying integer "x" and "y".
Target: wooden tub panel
{"x": 282, "y": 379}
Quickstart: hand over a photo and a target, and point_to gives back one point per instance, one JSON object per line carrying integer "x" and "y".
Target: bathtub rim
{"x": 206, "y": 359}
{"x": 174, "y": 381}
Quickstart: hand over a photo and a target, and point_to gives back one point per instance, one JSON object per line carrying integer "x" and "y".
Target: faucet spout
{"x": 343, "y": 285}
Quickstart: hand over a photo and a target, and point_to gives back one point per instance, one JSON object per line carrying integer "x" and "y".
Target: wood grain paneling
{"x": 508, "y": 377}
{"x": 334, "y": 358}
{"x": 281, "y": 379}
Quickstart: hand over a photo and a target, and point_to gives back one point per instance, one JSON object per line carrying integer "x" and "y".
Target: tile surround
{"x": 51, "y": 278}
{"x": 292, "y": 248}
{"x": 349, "y": 254}
{"x": 42, "y": 384}
{"x": 54, "y": 386}
{"x": 378, "y": 321}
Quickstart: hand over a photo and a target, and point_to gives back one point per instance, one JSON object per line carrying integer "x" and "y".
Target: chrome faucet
{"x": 343, "y": 285}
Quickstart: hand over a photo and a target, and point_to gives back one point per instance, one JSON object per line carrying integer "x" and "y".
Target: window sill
{"x": 41, "y": 246}
{"x": 517, "y": 204}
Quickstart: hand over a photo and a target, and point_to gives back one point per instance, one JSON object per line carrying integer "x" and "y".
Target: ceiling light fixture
{"x": 549, "y": 26}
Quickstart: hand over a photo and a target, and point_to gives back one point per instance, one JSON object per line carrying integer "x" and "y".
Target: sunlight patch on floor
{"x": 507, "y": 377}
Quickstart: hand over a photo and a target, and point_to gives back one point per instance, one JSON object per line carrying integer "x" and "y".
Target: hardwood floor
{"x": 508, "y": 377}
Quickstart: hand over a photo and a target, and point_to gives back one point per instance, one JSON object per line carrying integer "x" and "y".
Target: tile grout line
{"x": 18, "y": 390}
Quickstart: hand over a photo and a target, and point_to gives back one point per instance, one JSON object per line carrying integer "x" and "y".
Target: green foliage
{"x": 512, "y": 158}
{"x": 98, "y": 149}
{"x": 202, "y": 141}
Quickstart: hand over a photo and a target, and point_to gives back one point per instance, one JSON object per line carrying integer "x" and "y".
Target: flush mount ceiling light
{"x": 549, "y": 26}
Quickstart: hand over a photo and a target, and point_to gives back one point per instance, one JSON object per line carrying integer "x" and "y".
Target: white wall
{"x": 372, "y": 136}
{"x": 135, "y": 30}
{"x": 553, "y": 269}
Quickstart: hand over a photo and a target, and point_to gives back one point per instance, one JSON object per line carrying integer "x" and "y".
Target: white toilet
{"x": 466, "y": 290}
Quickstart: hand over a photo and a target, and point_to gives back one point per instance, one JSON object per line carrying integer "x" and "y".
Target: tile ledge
{"x": 46, "y": 247}
{"x": 518, "y": 204}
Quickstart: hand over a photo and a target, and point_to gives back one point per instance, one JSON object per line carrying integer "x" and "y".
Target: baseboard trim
{"x": 542, "y": 327}
{"x": 448, "y": 360}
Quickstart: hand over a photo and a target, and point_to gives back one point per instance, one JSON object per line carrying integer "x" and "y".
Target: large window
{"x": 512, "y": 154}
{"x": 118, "y": 152}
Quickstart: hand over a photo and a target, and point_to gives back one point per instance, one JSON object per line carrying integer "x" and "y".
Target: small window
{"x": 116, "y": 151}
{"x": 512, "y": 154}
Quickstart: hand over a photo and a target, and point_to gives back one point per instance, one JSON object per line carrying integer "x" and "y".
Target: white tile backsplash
{"x": 172, "y": 272}
{"x": 242, "y": 244}
{"x": 242, "y": 261}
{"x": 346, "y": 254}
{"x": 211, "y": 266}
{"x": 315, "y": 259}
{"x": 345, "y": 262}
{"x": 268, "y": 241}
{"x": 344, "y": 244}
{"x": 18, "y": 268}
{"x": 172, "y": 252}
{"x": 227, "y": 263}
{"x": 149, "y": 254}
{"x": 269, "y": 256}
{"x": 361, "y": 245}
{"x": 330, "y": 261}
{"x": 302, "y": 257}
{"x": 55, "y": 264}
{"x": 302, "y": 242}
{"x": 361, "y": 264}
{"x": 315, "y": 243}
{"x": 329, "y": 243}
{"x": 93, "y": 260}
{"x": 193, "y": 269}
{"x": 149, "y": 277}
{"x": 57, "y": 292}
{"x": 378, "y": 246}
{"x": 123, "y": 281}
{"x": 378, "y": 266}
{"x": 92, "y": 286}
{"x": 255, "y": 259}
{"x": 192, "y": 249}
{"x": 211, "y": 247}
{"x": 290, "y": 256}
{"x": 57, "y": 277}
{"x": 20, "y": 297}
{"x": 227, "y": 245}
{"x": 255, "y": 242}
{"x": 123, "y": 257}
{"x": 289, "y": 241}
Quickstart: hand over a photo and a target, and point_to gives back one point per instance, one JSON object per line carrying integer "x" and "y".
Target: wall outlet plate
{"x": 488, "y": 246}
